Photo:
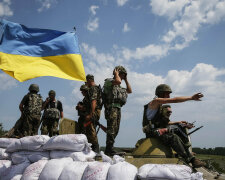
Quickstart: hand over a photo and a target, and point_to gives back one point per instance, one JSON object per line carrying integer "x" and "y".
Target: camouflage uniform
{"x": 50, "y": 125}
{"x": 170, "y": 139}
{"x": 90, "y": 130}
{"x": 113, "y": 117}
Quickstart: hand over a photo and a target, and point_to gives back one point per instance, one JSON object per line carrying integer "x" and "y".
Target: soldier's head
{"x": 52, "y": 94}
{"x": 167, "y": 110}
{"x": 90, "y": 79}
{"x": 34, "y": 88}
{"x": 163, "y": 91}
{"x": 84, "y": 89}
{"x": 122, "y": 71}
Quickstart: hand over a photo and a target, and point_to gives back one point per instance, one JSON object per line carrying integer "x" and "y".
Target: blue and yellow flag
{"x": 27, "y": 53}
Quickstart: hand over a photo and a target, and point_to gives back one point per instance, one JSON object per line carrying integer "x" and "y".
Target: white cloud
{"x": 6, "y": 82}
{"x": 46, "y": 4}
{"x": 121, "y": 2}
{"x": 5, "y": 9}
{"x": 93, "y": 24}
{"x": 126, "y": 28}
{"x": 93, "y": 9}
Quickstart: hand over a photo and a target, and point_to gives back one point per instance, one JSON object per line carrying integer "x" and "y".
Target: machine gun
{"x": 97, "y": 124}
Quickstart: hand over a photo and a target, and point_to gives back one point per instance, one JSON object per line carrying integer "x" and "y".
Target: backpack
{"x": 34, "y": 104}
{"x": 114, "y": 94}
{"x": 51, "y": 113}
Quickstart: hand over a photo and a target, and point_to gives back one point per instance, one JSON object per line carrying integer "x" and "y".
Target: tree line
{"x": 211, "y": 151}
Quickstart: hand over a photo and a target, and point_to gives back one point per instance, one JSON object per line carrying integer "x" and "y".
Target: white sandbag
{"x": 69, "y": 142}
{"x": 33, "y": 171}
{"x": 106, "y": 158}
{"x": 53, "y": 168}
{"x": 3, "y": 154}
{"x": 14, "y": 170}
{"x": 117, "y": 159}
{"x": 197, "y": 176}
{"x": 73, "y": 171}
{"x": 76, "y": 156}
{"x": 122, "y": 170}
{"x": 28, "y": 143}
{"x": 164, "y": 171}
{"x": 17, "y": 177}
{"x": 32, "y": 156}
{"x": 96, "y": 171}
{"x": 5, "y": 142}
{"x": 4, "y": 164}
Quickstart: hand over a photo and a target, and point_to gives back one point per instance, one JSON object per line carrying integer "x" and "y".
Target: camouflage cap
{"x": 90, "y": 77}
{"x": 121, "y": 69}
{"x": 83, "y": 87}
{"x": 51, "y": 92}
{"x": 34, "y": 87}
{"x": 162, "y": 88}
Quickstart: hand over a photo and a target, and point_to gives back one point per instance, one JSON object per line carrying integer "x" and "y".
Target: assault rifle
{"x": 97, "y": 124}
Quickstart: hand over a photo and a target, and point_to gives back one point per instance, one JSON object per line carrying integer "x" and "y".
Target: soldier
{"x": 114, "y": 98}
{"x": 82, "y": 109}
{"x": 93, "y": 110}
{"x": 53, "y": 111}
{"x": 156, "y": 120}
{"x": 30, "y": 108}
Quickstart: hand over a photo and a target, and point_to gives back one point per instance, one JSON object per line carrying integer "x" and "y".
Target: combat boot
{"x": 196, "y": 163}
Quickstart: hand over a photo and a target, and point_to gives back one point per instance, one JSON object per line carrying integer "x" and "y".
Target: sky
{"x": 177, "y": 42}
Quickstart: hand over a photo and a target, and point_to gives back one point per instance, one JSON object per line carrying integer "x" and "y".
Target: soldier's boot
{"x": 196, "y": 163}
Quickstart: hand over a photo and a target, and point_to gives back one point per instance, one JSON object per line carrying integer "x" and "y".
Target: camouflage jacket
{"x": 94, "y": 93}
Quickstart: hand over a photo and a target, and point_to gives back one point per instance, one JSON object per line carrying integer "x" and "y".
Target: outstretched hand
{"x": 197, "y": 97}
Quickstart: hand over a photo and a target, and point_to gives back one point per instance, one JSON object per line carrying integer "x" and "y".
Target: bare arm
{"x": 129, "y": 90}
{"x": 21, "y": 107}
{"x": 158, "y": 101}
{"x": 61, "y": 114}
{"x": 117, "y": 80}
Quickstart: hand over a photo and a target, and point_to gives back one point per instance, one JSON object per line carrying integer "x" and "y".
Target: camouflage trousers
{"x": 113, "y": 116}
{"x": 81, "y": 129}
{"x": 175, "y": 142}
{"x": 50, "y": 127}
{"x": 90, "y": 131}
{"x": 26, "y": 125}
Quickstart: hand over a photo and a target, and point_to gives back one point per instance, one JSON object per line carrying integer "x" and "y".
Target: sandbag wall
{"x": 69, "y": 157}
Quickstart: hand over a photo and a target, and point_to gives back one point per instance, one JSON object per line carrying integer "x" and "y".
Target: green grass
{"x": 214, "y": 162}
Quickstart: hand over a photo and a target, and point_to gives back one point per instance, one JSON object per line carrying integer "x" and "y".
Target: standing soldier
{"x": 114, "y": 98}
{"x": 53, "y": 111}
{"x": 30, "y": 108}
{"x": 93, "y": 112}
{"x": 81, "y": 109}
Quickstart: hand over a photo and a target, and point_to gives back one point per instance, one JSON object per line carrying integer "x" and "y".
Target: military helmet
{"x": 90, "y": 77}
{"x": 162, "y": 88}
{"x": 51, "y": 92}
{"x": 83, "y": 87}
{"x": 34, "y": 87}
{"x": 121, "y": 69}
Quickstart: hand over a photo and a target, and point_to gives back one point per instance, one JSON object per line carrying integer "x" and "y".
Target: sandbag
{"x": 4, "y": 164}
{"x": 164, "y": 171}
{"x": 17, "y": 177}
{"x": 28, "y": 143}
{"x": 3, "y": 154}
{"x": 76, "y": 156}
{"x": 197, "y": 176}
{"x": 122, "y": 170}
{"x": 73, "y": 171}
{"x": 32, "y": 156}
{"x": 68, "y": 142}
{"x": 53, "y": 168}
{"x": 14, "y": 170}
{"x": 33, "y": 171}
{"x": 5, "y": 142}
{"x": 96, "y": 170}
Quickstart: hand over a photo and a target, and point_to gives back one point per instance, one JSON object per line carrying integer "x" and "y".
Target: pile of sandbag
{"x": 70, "y": 157}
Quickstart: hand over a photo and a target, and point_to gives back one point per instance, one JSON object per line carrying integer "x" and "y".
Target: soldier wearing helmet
{"x": 30, "y": 108}
{"x": 81, "y": 108}
{"x": 53, "y": 111}
{"x": 153, "y": 126}
{"x": 114, "y": 97}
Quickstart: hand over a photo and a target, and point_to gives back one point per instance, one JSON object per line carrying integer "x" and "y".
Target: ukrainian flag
{"x": 27, "y": 53}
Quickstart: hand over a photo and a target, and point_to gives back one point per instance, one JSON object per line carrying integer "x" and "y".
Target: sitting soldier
{"x": 156, "y": 123}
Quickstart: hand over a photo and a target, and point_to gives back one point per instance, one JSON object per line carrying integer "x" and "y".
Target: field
{"x": 214, "y": 162}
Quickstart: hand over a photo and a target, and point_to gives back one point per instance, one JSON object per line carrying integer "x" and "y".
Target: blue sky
{"x": 179, "y": 42}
